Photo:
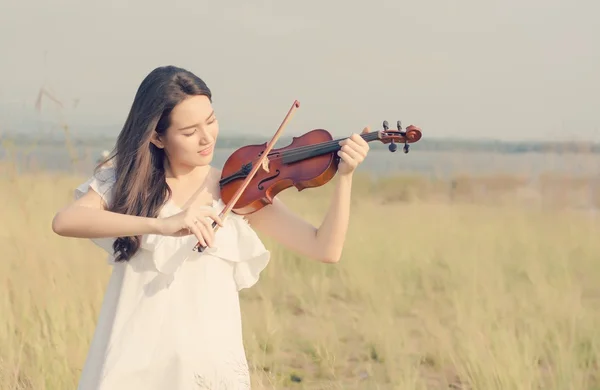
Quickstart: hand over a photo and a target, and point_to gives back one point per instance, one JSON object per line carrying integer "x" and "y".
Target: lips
{"x": 206, "y": 152}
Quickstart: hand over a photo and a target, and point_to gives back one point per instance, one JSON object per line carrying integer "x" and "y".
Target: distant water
{"x": 379, "y": 162}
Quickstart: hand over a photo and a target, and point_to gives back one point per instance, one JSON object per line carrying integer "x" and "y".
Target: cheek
{"x": 214, "y": 131}
{"x": 182, "y": 145}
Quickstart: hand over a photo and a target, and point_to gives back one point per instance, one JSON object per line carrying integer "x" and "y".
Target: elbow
{"x": 58, "y": 225}
{"x": 327, "y": 253}
{"x": 330, "y": 258}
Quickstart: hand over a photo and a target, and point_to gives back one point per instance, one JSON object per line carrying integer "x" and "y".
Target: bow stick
{"x": 261, "y": 163}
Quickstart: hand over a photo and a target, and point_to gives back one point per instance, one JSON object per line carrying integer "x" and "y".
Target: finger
{"x": 216, "y": 217}
{"x": 347, "y": 159}
{"x": 350, "y": 139}
{"x": 204, "y": 226}
{"x": 207, "y": 229}
{"x": 205, "y": 211}
{"x": 198, "y": 233}
{"x": 355, "y": 151}
{"x": 366, "y": 130}
{"x": 358, "y": 147}
{"x": 355, "y": 155}
{"x": 360, "y": 140}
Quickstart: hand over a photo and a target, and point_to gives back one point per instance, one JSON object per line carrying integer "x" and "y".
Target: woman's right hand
{"x": 193, "y": 220}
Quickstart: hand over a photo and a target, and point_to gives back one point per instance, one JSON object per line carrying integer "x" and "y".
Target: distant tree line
{"x": 233, "y": 142}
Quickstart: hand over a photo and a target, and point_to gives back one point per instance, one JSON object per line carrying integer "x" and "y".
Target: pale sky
{"x": 505, "y": 69}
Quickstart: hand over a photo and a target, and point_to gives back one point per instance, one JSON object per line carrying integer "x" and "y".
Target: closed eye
{"x": 210, "y": 122}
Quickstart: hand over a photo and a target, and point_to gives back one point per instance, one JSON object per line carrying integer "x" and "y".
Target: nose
{"x": 205, "y": 137}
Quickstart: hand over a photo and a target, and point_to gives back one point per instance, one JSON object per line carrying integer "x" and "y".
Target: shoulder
{"x": 102, "y": 182}
{"x": 215, "y": 174}
{"x": 214, "y": 178}
{"x": 106, "y": 175}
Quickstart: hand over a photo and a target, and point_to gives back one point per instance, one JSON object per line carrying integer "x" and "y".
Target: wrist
{"x": 155, "y": 225}
{"x": 346, "y": 178}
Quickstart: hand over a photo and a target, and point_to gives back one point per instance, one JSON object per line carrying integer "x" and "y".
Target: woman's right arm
{"x": 87, "y": 217}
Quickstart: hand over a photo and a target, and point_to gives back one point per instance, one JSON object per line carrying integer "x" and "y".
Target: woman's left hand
{"x": 353, "y": 152}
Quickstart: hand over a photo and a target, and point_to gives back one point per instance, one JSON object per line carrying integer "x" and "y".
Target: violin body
{"x": 311, "y": 160}
{"x": 265, "y": 185}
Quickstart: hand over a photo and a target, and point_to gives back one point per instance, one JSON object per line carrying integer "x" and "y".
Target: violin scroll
{"x": 409, "y": 135}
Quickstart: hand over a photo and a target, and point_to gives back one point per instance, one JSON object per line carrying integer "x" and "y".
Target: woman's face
{"x": 192, "y": 134}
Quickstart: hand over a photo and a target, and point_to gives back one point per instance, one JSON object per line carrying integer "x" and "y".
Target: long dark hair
{"x": 141, "y": 188}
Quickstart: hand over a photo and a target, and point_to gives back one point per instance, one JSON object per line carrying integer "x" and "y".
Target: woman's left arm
{"x": 326, "y": 242}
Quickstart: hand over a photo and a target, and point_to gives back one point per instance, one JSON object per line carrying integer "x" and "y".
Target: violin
{"x": 254, "y": 174}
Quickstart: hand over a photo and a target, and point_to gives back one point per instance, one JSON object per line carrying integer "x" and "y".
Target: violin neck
{"x": 306, "y": 152}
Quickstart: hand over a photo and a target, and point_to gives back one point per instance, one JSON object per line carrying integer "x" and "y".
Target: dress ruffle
{"x": 235, "y": 242}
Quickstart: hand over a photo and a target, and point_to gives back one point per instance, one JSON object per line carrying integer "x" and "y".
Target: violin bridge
{"x": 265, "y": 164}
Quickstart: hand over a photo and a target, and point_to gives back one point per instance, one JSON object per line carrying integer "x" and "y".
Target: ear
{"x": 156, "y": 140}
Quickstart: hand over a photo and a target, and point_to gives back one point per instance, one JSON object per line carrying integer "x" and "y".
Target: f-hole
{"x": 260, "y": 184}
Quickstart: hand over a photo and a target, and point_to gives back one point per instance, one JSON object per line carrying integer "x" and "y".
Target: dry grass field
{"x": 440, "y": 287}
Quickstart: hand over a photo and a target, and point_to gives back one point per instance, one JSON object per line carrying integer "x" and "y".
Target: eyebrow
{"x": 196, "y": 124}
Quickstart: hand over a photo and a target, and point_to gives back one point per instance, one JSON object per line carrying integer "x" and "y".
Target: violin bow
{"x": 261, "y": 163}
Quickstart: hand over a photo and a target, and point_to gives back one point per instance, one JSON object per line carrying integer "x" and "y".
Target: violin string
{"x": 307, "y": 147}
{"x": 291, "y": 152}
{"x": 307, "y": 150}
{"x": 367, "y": 137}
{"x": 322, "y": 147}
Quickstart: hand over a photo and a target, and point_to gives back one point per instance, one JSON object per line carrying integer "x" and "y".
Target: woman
{"x": 171, "y": 317}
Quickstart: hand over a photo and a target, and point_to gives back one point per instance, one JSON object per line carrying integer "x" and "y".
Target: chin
{"x": 204, "y": 160}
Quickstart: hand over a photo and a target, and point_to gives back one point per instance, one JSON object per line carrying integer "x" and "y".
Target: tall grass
{"x": 466, "y": 291}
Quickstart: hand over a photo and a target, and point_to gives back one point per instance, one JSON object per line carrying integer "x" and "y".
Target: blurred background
{"x": 470, "y": 262}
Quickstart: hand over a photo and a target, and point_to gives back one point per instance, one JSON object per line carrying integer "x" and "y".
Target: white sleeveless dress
{"x": 171, "y": 316}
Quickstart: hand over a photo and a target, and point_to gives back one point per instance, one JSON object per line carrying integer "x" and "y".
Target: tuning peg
{"x": 386, "y": 126}
{"x": 393, "y": 147}
{"x": 399, "y": 124}
{"x": 406, "y": 146}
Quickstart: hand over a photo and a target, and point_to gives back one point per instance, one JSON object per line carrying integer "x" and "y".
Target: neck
{"x": 175, "y": 172}
{"x": 306, "y": 152}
